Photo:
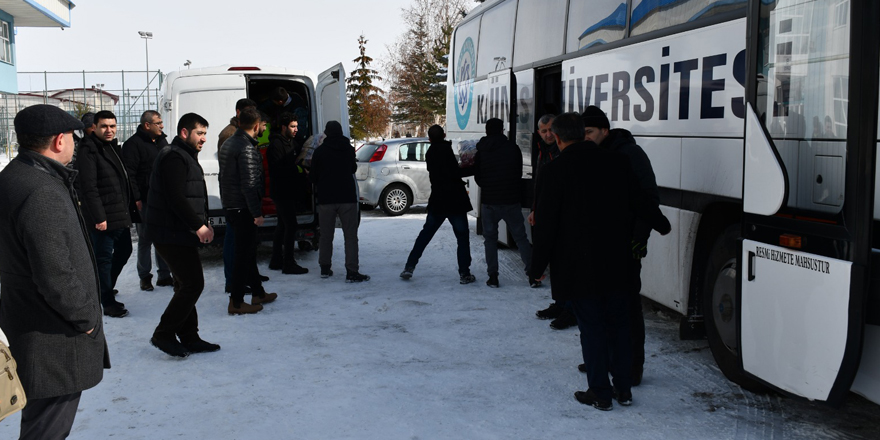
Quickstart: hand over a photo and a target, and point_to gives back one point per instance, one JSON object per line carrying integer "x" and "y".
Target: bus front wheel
{"x": 721, "y": 308}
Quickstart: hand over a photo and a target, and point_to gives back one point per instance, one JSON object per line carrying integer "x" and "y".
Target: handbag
{"x": 12, "y": 398}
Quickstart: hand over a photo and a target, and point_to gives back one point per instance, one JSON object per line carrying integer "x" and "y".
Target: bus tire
{"x": 396, "y": 199}
{"x": 720, "y": 308}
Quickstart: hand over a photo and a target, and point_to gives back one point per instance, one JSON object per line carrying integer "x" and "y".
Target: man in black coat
{"x": 498, "y": 171}
{"x": 51, "y": 309}
{"x": 333, "y": 167}
{"x": 449, "y": 200}
{"x": 139, "y": 152}
{"x": 241, "y": 192}
{"x": 104, "y": 188}
{"x": 583, "y": 231}
{"x": 284, "y": 184}
{"x": 178, "y": 225}
{"x": 597, "y": 129}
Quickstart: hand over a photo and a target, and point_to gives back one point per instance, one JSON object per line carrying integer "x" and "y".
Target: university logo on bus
{"x": 464, "y": 87}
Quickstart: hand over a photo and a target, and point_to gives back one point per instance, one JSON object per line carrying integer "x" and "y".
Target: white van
{"x": 212, "y": 93}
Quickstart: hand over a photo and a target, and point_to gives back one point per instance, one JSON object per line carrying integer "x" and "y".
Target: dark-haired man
{"x": 105, "y": 192}
{"x": 241, "y": 192}
{"x": 51, "y": 310}
{"x": 139, "y": 152}
{"x": 285, "y": 172}
{"x": 178, "y": 225}
{"x": 229, "y": 130}
{"x": 449, "y": 200}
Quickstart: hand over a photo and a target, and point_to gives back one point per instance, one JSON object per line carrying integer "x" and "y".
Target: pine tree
{"x": 368, "y": 111}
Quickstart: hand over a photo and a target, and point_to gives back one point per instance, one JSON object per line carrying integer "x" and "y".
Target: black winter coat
{"x": 103, "y": 185}
{"x": 584, "y": 219}
{"x": 333, "y": 168}
{"x": 178, "y": 201}
{"x": 138, "y": 153}
{"x": 283, "y": 169}
{"x": 622, "y": 141}
{"x": 498, "y": 170}
{"x": 241, "y": 174}
{"x": 448, "y": 193}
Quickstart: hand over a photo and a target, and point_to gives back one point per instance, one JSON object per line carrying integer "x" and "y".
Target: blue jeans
{"x": 112, "y": 249}
{"x": 432, "y": 224}
{"x": 512, "y": 215}
{"x": 603, "y": 320}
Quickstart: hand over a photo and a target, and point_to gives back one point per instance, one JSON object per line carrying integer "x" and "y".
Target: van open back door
{"x": 331, "y": 99}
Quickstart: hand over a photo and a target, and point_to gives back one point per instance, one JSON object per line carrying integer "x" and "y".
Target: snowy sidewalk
{"x": 423, "y": 359}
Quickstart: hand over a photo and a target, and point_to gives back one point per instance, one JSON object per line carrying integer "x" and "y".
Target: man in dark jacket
{"x": 284, "y": 175}
{"x": 597, "y": 129}
{"x": 449, "y": 200}
{"x": 51, "y": 310}
{"x": 241, "y": 192}
{"x": 139, "y": 152}
{"x": 229, "y": 130}
{"x": 583, "y": 232}
{"x": 178, "y": 225}
{"x": 332, "y": 172}
{"x": 498, "y": 171}
{"x": 105, "y": 191}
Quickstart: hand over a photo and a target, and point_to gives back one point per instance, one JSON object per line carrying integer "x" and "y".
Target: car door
{"x": 411, "y": 163}
{"x": 332, "y": 102}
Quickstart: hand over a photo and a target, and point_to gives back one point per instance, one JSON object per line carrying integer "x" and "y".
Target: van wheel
{"x": 396, "y": 199}
{"x": 721, "y": 308}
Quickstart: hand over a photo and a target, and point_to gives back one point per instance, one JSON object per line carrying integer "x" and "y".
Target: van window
{"x": 496, "y": 38}
{"x": 539, "y": 30}
{"x": 594, "y": 22}
{"x": 652, "y": 15}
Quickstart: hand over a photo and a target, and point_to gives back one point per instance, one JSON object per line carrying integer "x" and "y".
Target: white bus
{"x": 764, "y": 154}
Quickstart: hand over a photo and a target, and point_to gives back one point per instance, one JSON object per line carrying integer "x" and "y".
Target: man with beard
{"x": 139, "y": 152}
{"x": 178, "y": 225}
{"x": 284, "y": 172}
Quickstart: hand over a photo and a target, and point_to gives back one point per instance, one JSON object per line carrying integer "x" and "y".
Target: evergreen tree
{"x": 368, "y": 111}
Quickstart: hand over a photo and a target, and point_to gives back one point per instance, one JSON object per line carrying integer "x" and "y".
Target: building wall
{"x": 8, "y": 77}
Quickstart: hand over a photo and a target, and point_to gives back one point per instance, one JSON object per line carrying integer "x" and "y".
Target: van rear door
{"x": 331, "y": 99}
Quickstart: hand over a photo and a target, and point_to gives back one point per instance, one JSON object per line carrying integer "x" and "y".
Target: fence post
{"x": 45, "y": 87}
{"x": 85, "y": 99}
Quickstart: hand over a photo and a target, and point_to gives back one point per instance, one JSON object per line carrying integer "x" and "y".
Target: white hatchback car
{"x": 393, "y": 175}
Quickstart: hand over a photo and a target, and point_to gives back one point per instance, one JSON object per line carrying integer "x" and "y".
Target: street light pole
{"x": 147, "y": 36}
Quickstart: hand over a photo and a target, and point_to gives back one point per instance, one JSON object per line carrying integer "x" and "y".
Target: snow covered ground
{"x": 423, "y": 359}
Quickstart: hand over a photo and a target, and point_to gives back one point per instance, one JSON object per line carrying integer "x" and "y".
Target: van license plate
{"x": 217, "y": 221}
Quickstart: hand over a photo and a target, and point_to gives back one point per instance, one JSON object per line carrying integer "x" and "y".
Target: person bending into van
{"x": 332, "y": 172}
{"x": 284, "y": 174}
{"x": 498, "y": 171}
{"x": 241, "y": 192}
{"x": 449, "y": 200}
{"x": 583, "y": 231}
{"x": 178, "y": 225}
{"x": 622, "y": 141}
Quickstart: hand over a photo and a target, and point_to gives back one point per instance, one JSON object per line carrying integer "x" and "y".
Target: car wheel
{"x": 721, "y": 308}
{"x": 396, "y": 199}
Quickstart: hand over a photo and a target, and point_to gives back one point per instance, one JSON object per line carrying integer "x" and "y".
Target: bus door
{"x": 806, "y": 202}
{"x": 332, "y": 102}
{"x": 501, "y": 102}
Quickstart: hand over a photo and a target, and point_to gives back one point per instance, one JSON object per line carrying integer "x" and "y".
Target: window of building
{"x": 5, "y": 38}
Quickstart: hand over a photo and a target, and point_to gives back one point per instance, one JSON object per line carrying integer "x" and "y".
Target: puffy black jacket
{"x": 241, "y": 174}
{"x": 103, "y": 184}
{"x": 622, "y": 141}
{"x": 448, "y": 193}
{"x": 139, "y": 152}
{"x": 178, "y": 199}
{"x": 283, "y": 170}
{"x": 498, "y": 170}
{"x": 333, "y": 168}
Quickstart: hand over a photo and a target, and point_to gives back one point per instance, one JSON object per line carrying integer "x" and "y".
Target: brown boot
{"x": 243, "y": 308}
{"x": 263, "y": 299}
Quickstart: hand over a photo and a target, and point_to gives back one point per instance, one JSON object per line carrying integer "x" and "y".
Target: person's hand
{"x": 206, "y": 234}
{"x": 259, "y": 221}
{"x": 90, "y": 331}
{"x": 101, "y": 226}
{"x": 140, "y": 205}
{"x": 531, "y": 218}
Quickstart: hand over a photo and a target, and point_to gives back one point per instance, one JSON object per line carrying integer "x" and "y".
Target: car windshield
{"x": 365, "y": 152}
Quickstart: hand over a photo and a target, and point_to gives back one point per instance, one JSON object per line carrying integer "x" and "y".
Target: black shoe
{"x": 551, "y": 312}
{"x": 533, "y": 283}
{"x": 276, "y": 264}
{"x": 356, "y": 277}
{"x": 466, "y": 278}
{"x": 165, "y": 282}
{"x": 326, "y": 272}
{"x": 407, "y": 274}
{"x": 582, "y": 368}
{"x": 197, "y": 345}
{"x": 115, "y": 310}
{"x": 588, "y": 397}
{"x": 624, "y": 399}
{"x": 294, "y": 269}
{"x": 264, "y": 278}
{"x": 146, "y": 285}
{"x": 492, "y": 281}
{"x": 170, "y": 347}
{"x": 565, "y": 320}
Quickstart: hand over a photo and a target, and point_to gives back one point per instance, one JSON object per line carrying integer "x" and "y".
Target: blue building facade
{"x": 25, "y": 13}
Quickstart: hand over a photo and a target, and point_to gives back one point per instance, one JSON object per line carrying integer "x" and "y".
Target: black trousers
{"x": 50, "y": 418}
{"x": 604, "y": 324}
{"x": 636, "y": 318}
{"x": 284, "y": 241}
{"x": 180, "y": 317}
{"x": 244, "y": 267}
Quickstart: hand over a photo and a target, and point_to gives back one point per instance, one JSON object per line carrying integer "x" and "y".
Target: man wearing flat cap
{"x": 51, "y": 308}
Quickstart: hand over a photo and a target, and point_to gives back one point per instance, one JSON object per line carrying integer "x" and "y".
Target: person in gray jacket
{"x": 51, "y": 307}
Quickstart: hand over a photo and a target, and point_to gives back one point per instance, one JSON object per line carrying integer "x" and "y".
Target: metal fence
{"x": 126, "y": 93}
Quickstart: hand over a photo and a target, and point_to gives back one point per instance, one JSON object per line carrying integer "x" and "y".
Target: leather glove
{"x": 639, "y": 249}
